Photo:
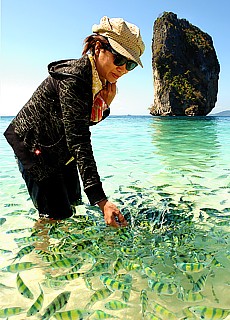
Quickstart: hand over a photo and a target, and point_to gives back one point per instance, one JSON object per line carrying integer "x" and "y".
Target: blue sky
{"x": 36, "y": 32}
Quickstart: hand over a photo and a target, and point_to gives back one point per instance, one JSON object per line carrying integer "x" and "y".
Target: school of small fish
{"x": 164, "y": 265}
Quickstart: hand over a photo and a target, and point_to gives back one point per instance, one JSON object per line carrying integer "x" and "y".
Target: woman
{"x": 50, "y": 135}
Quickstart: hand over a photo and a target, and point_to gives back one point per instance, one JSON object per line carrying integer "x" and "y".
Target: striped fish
{"x": 112, "y": 284}
{"x": 54, "y": 284}
{"x": 118, "y": 265}
{"x": 47, "y": 257}
{"x": 200, "y": 283}
{"x": 20, "y": 266}
{"x": 100, "y": 294}
{"x": 23, "y": 289}
{"x": 191, "y": 267}
{"x": 81, "y": 246}
{"x": 163, "y": 312}
{"x": 100, "y": 314}
{"x": 98, "y": 267}
{"x": 18, "y": 230}
{"x": 162, "y": 288}
{"x": 116, "y": 305}
{"x": 8, "y": 312}
{"x": 59, "y": 302}
{"x": 64, "y": 263}
{"x": 22, "y": 252}
{"x": 209, "y": 313}
{"x": 151, "y": 316}
{"x": 216, "y": 263}
{"x": 37, "y": 305}
{"x": 125, "y": 295}
{"x": 150, "y": 272}
{"x": 129, "y": 266}
{"x": 144, "y": 301}
{"x": 67, "y": 277}
{"x": 190, "y": 296}
{"x": 27, "y": 239}
{"x": 76, "y": 314}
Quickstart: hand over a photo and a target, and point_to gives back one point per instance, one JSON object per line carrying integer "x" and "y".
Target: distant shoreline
{"x": 225, "y": 113}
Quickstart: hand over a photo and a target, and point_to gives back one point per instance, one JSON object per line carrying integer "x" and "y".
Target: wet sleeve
{"x": 76, "y": 103}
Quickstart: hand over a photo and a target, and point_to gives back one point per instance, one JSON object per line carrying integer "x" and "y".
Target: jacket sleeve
{"x": 76, "y": 103}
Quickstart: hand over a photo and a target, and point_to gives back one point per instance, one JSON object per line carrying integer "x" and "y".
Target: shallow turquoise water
{"x": 170, "y": 177}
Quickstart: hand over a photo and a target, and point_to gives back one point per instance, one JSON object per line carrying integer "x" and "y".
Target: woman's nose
{"x": 122, "y": 69}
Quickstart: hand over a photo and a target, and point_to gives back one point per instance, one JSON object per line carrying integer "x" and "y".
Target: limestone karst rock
{"x": 185, "y": 68}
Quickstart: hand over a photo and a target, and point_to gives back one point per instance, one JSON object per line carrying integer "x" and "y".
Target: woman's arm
{"x": 76, "y": 103}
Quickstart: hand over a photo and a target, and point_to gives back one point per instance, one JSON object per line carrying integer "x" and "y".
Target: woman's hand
{"x": 108, "y": 92}
{"x": 112, "y": 214}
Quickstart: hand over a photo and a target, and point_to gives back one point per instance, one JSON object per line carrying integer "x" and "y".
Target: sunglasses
{"x": 120, "y": 60}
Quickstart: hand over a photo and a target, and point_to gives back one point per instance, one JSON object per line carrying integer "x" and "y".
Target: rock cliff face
{"x": 185, "y": 68}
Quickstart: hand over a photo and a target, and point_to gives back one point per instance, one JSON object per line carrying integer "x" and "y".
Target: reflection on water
{"x": 171, "y": 262}
{"x": 188, "y": 143}
{"x": 193, "y": 158}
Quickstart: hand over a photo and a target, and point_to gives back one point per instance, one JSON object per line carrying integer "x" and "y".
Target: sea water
{"x": 170, "y": 177}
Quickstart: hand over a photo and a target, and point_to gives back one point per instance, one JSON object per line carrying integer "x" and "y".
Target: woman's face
{"x": 105, "y": 66}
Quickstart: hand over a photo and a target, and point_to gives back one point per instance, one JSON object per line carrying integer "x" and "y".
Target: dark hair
{"x": 90, "y": 42}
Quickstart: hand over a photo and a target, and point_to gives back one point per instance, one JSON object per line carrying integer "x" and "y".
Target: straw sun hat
{"x": 124, "y": 37}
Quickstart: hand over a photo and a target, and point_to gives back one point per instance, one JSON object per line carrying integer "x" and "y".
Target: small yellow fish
{"x": 67, "y": 277}
{"x": 191, "y": 267}
{"x": 76, "y": 314}
{"x": 100, "y": 314}
{"x": 51, "y": 257}
{"x": 151, "y": 316}
{"x": 125, "y": 295}
{"x": 200, "y": 283}
{"x": 98, "y": 267}
{"x": 190, "y": 296}
{"x": 23, "y": 251}
{"x": 23, "y": 289}
{"x": 64, "y": 263}
{"x": 163, "y": 312}
{"x": 116, "y": 305}
{"x": 150, "y": 272}
{"x": 20, "y": 266}
{"x": 209, "y": 313}
{"x": 100, "y": 294}
{"x": 59, "y": 302}
{"x": 8, "y": 312}
{"x": 27, "y": 239}
{"x": 37, "y": 305}
{"x": 144, "y": 301}
{"x": 162, "y": 288}
{"x": 113, "y": 284}
{"x": 117, "y": 265}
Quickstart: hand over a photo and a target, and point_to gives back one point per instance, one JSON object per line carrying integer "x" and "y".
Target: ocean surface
{"x": 170, "y": 177}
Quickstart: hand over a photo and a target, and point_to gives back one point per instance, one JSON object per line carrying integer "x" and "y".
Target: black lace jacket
{"x": 53, "y": 126}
